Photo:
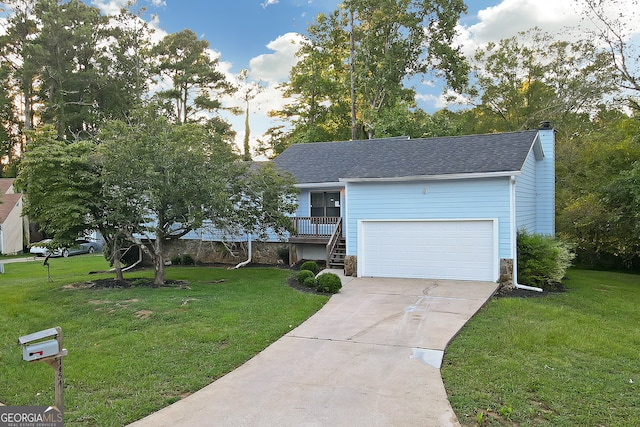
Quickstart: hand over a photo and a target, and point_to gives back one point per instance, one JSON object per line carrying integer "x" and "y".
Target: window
{"x": 325, "y": 204}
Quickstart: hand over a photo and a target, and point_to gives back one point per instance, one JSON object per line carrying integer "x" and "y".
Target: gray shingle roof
{"x": 395, "y": 158}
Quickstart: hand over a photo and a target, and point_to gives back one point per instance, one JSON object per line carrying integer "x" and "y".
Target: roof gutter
{"x": 320, "y": 185}
{"x": 437, "y": 177}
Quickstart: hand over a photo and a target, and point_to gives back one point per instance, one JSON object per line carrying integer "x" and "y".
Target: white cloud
{"x": 268, "y": 3}
{"x": 444, "y": 100}
{"x": 563, "y": 18}
{"x": 275, "y": 67}
{"x": 112, "y": 7}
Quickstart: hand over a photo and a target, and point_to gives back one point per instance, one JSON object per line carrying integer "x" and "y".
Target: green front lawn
{"x": 133, "y": 351}
{"x": 569, "y": 359}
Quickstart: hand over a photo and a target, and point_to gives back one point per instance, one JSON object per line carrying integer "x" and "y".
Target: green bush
{"x": 311, "y": 266}
{"x": 304, "y": 275}
{"x": 310, "y": 282}
{"x": 329, "y": 282}
{"x": 176, "y": 260}
{"x": 542, "y": 260}
{"x": 187, "y": 260}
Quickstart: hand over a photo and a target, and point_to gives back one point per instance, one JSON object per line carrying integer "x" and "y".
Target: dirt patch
{"x": 143, "y": 314}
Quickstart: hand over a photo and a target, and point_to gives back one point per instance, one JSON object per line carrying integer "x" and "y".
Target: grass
{"x": 569, "y": 359}
{"x": 133, "y": 351}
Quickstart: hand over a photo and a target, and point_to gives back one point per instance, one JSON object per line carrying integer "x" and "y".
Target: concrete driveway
{"x": 369, "y": 357}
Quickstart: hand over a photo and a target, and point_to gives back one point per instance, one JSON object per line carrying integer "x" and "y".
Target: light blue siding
{"x": 453, "y": 199}
{"x": 535, "y": 189}
{"x": 546, "y": 184}
{"x": 526, "y": 211}
{"x": 304, "y": 203}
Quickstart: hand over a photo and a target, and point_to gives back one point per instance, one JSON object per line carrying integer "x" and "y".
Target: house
{"x": 12, "y": 224}
{"x": 440, "y": 208}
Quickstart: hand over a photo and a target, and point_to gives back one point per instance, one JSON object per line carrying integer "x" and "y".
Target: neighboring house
{"x": 439, "y": 208}
{"x": 12, "y": 224}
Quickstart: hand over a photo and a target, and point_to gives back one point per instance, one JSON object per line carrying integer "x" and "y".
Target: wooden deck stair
{"x": 336, "y": 259}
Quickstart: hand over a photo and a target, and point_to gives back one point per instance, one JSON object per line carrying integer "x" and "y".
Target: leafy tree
{"x": 60, "y": 185}
{"x": 622, "y": 198}
{"x": 617, "y": 31}
{"x": 318, "y": 84}
{"x": 166, "y": 180}
{"x": 526, "y": 79}
{"x": 71, "y": 67}
{"x": 65, "y": 51}
{"x": 8, "y": 137}
{"x": 192, "y": 72}
{"x": 355, "y": 63}
{"x": 63, "y": 191}
{"x": 397, "y": 39}
{"x": 589, "y": 212}
{"x": 16, "y": 49}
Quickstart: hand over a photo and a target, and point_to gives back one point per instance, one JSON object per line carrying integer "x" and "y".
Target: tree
{"x": 594, "y": 188}
{"x": 16, "y": 49}
{"x": 616, "y": 30}
{"x": 395, "y": 40}
{"x": 71, "y": 67}
{"x": 8, "y": 137}
{"x": 356, "y": 62}
{"x": 168, "y": 179}
{"x": 622, "y": 197}
{"x": 248, "y": 92}
{"x": 195, "y": 81}
{"x": 529, "y": 78}
{"x": 62, "y": 186}
{"x": 318, "y": 84}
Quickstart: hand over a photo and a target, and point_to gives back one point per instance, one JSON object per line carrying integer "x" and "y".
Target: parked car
{"x": 82, "y": 246}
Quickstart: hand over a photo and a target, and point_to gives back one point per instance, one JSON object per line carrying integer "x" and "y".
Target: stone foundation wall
{"x": 232, "y": 253}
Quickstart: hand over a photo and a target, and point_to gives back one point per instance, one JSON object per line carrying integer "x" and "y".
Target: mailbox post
{"x": 36, "y": 348}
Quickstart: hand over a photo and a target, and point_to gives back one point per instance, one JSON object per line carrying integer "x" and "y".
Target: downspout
{"x": 137, "y": 262}
{"x": 243, "y": 263}
{"x": 514, "y": 239}
{"x": 132, "y": 265}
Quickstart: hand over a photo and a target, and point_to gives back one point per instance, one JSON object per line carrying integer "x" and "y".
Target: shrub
{"x": 176, "y": 260}
{"x": 329, "y": 282}
{"x": 187, "y": 260}
{"x": 304, "y": 275}
{"x": 310, "y": 282}
{"x": 542, "y": 260}
{"x": 311, "y": 266}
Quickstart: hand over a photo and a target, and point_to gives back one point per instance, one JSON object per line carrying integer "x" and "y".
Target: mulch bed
{"x": 504, "y": 292}
{"x": 127, "y": 283}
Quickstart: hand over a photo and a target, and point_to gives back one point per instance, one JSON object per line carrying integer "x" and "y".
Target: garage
{"x": 438, "y": 249}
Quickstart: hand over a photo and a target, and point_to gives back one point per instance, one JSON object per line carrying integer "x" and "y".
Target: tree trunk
{"x": 118, "y": 267}
{"x": 158, "y": 262}
{"x": 247, "y": 132}
{"x": 352, "y": 60}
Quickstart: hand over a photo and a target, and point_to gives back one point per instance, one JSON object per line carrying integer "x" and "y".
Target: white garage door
{"x": 458, "y": 250}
